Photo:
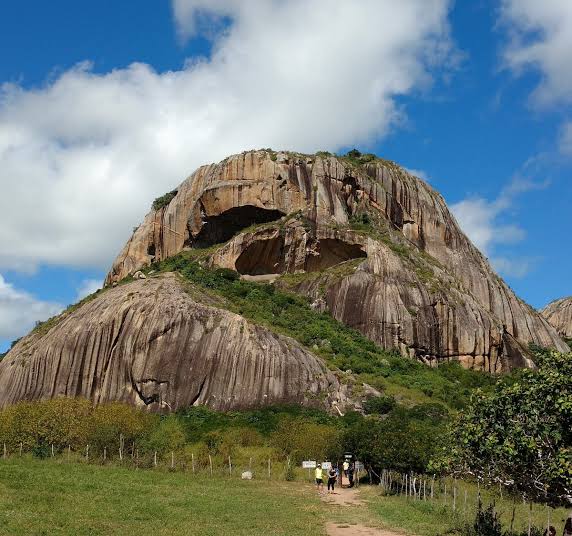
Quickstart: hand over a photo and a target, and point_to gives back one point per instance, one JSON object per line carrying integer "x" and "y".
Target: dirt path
{"x": 349, "y": 498}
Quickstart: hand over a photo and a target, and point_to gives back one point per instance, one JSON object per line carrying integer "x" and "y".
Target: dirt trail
{"x": 348, "y": 498}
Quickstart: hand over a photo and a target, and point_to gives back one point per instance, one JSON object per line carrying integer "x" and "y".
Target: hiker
{"x": 351, "y": 475}
{"x": 346, "y": 466}
{"x": 568, "y": 526}
{"x": 319, "y": 478}
{"x": 332, "y": 475}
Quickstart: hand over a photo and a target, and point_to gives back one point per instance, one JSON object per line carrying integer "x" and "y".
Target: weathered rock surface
{"x": 149, "y": 343}
{"x": 423, "y": 289}
{"x": 559, "y": 314}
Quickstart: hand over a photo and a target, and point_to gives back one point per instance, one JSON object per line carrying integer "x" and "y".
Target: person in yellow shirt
{"x": 319, "y": 478}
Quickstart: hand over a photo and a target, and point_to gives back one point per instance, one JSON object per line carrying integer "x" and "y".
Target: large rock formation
{"x": 365, "y": 240}
{"x": 149, "y": 343}
{"x": 559, "y": 314}
{"x": 423, "y": 289}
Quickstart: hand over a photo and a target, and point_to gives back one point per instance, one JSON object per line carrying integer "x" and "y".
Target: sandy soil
{"x": 347, "y": 498}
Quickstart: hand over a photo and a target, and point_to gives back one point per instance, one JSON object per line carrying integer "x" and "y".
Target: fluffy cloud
{"x": 482, "y": 221}
{"x": 541, "y": 38}
{"x": 87, "y": 287}
{"x": 82, "y": 157}
{"x": 20, "y": 310}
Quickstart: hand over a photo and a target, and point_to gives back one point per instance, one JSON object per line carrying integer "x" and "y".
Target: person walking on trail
{"x": 319, "y": 478}
{"x": 351, "y": 475}
{"x": 332, "y": 475}
{"x": 568, "y": 526}
{"x": 346, "y": 467}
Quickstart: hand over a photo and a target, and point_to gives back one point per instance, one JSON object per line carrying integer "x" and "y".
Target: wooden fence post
{"x": 229, "y": 466}
{"x": 104, "y": 453}
{"x": 211, "y": 464}
{"x": 87, "y": 452}
{"x": 5, "y": 453}
{"x": 155, "y": 458}
{"x": 20, "y": 449}
{"x": 432, "y": 484}
{"x": 69, "y": 452}
{"x": 172, "y": 460}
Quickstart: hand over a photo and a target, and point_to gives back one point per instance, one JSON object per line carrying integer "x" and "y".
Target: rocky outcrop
{"x": 421, "y": 288}
{"x": 559, "y": 314}
{"x": 152, "y": 344}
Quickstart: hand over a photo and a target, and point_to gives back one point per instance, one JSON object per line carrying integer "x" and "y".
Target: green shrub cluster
{"x": 402, "y": 439}
{"x": 69, "y": 422}
{"x": 164, "y": 200}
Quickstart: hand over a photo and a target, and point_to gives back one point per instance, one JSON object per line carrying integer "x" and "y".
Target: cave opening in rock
{"x": 222, "y": 227}
{"x": 270, "y": 256}
{"x": 262, "y": 257}
{"x": 332, "y": 251}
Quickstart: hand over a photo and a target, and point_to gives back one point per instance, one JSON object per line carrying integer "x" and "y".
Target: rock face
{"x": 365, "y": 240}
{"x": 422, "y": 287}
{"x": 149, "y": 343}
{"x": 559, "y": 314}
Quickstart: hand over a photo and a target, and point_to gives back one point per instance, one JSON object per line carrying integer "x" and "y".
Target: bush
{"x": 379, "y": 405}
{"x": 164, "y": 200}
{"x": 115, "y": 420}
{"x": 168, "y": 436}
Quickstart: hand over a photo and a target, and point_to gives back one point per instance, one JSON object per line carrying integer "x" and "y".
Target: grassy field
{"x": 58, "y": 498}
{"x": 436, "y": 518}
{"x": 45, "y": 497}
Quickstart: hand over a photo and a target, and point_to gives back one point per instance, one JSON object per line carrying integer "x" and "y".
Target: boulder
{"x": 559, "y": 314}
{"x": 150, "y": 344}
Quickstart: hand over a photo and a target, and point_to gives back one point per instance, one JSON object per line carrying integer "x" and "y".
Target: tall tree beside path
{"x": 520, "y": 434}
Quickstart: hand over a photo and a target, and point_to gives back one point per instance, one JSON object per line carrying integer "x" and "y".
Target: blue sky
{"x": 105, "y": 105}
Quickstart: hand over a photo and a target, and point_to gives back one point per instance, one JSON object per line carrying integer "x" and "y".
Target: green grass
{"x": 436, "y": 518}
{"x": 45, "y": 497}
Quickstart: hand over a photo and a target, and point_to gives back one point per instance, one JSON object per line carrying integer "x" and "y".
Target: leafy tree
{"x": 521, "y": 433}
{"x": 405, "y": 440}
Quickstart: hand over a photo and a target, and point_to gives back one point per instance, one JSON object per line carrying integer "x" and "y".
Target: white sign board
{"x": 326, "y": 465}
{"x": 358, "y": 466}
{"x": 309, "y": 464}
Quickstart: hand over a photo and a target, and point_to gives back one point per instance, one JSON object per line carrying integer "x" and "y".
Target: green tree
{"x": 521, "y": 433}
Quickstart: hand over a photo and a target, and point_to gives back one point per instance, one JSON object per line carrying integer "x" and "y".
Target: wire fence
{"x": 458, "y": 497}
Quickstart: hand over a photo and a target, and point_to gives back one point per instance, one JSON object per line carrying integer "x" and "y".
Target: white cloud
{"x": 541, "y": 38}
{"x": 482, "y": 221}
{"x": 512, "y": 267}
{"x": 82, "y": 157}
{"x": 20, "y": 310}
{"x": 418, "y": 173}
{"x": 87, "y": 287}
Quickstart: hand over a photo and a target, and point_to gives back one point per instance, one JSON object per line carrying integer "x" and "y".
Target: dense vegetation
{"x": 403, "y": 438}
{"x": 520, "y": 434}
{"x": 341, "y": 347}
